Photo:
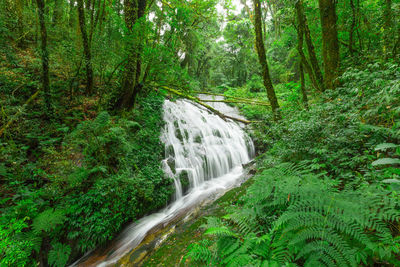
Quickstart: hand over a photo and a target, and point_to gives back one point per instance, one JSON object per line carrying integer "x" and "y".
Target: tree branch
{"x": 198, "y": 101}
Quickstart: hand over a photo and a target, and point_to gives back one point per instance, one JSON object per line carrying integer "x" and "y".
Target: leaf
{"x": 3, "y": 170}
{"x": 385, "y": 146}
{"x": 219, "y": 231}
{"x": 48, "y": 220}
{"x": 391, "y": 181}
{"x": 59, "y": 255}
{"x": 386, "y": 161}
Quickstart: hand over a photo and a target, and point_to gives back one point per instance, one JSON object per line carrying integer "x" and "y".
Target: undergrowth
{"x": 84, "y": 186}
{"x": 327, "y": 189}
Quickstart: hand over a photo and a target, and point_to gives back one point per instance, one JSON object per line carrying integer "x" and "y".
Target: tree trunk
{"x": 133, "y": 11}
{"x": 45, "y": 57}
{"x": 303, "y": 29}
{"x": 19, "y": 7}
{"x": 86, "y": 48}
{"x": 155, "y": 42}
{"x": 303, "y": 85}
{"x": 312, "y": 55}
{"x": 263, "y": 60}
{"x": 71, "y": 16}
{"x": 138, "y": 87}
{"x": 387, "y": 28}
{"x": 353, "y": 24}
{"x": 57, "y": 11}
{"x": 330, "y": 42}
{"x": 396, "y": 46}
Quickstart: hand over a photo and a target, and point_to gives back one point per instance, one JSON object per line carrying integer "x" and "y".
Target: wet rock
{"x": 217, "y": 133}
{"x": 169, "y": 151}
{"x": 171, "y": 164}
{"x": 184, "y": 178}
{"x": 198, "y": 139}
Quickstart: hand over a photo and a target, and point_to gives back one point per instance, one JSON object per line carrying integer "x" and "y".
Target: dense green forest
{"x": 82, "y": 86}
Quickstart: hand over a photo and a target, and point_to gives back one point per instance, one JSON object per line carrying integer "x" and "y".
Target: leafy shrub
{"x": 337, "y": 134}
{"x": 255, "y": 84}
{"x": 107, "y": 174}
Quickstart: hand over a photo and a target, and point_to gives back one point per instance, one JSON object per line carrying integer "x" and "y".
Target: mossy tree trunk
{"x": 387, "y": 28}
{"x": 71, "y": 15}
{"x": 311, "y": 50}
{"x": 330, "y": 42}
{"x": 57, "y": 11}
{"x": 263, "y": 60}
{"x": 352, "y": 26}
{"x": 86, "y": 48}
{"x": 311, "y": 66}
{"x": 134, "y": 10}
{"x": 303, "y": 85}
{"x": 45, "y": 57}
{"x": 19, "y": 8}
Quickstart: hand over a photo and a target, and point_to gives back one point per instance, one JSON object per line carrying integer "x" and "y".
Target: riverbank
{"x": 173, "y": 249}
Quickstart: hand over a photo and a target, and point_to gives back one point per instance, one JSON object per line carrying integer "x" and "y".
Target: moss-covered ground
{"x": 172, "y": 251}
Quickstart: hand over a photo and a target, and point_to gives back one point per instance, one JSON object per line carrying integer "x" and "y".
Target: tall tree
{"x": 57, "y": 11}
{"x": 352, "y": 26}
{"x": 303, "y": 29}
{"x": 263, "y": 59}
{"x": 19, "y": 7}
{"x": 71, "y": 11}
{"x": 134, "y": 10}
{"x": 86, "y": 48}
{"x": 387, "y": 27}
{"x": 330, "y": 42}
{"x": 45, "y": 56}
{"x": 303, "y": 85}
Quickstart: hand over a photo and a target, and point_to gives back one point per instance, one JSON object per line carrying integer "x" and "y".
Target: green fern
{"x": 48, "y": 220}
{"x": 291, "y": 215}
{"x": 200, "y": 252}
{"x": 59, "y": 255}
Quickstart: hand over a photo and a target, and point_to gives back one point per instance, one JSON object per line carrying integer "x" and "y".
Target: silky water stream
{"x": 204, "y": 156}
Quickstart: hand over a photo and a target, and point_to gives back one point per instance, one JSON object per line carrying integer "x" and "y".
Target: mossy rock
{"x": 184, "y": 178}
{"x": 198, "y": 139}
{"x": 169, "y": 151}
{"x": 217, "y": 133}
{"x": 171, "y": 164}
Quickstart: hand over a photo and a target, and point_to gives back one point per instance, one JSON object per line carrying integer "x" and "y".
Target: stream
{"x": 204, "y": 156}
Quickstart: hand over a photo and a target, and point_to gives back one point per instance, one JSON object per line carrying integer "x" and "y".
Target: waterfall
{"x": 204, "y": 155}
{"x": 201, "y": 146}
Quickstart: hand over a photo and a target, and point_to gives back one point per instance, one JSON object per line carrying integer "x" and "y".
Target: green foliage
{"x": 255, "y": 84}
{"x": 290, "y": 215}
{"x": 386, "y": 161}
{"x": 14, "y": 250}
{"x": 59, "y": 255}
{"x": 104, "y": 174}
{"x": 121, "y": 176}
{"x": 48, "y": 220}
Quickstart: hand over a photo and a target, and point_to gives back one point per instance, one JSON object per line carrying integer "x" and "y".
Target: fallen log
{"x": 2, "y": 130}
{"x": 198, "y": 101}
{"x": 227, "y": 96}
{"x": 237, "y": 101}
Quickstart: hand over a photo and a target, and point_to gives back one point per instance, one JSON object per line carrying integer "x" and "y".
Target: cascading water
{"x": 201, "y": 146}
{"x": 204, "y": 156}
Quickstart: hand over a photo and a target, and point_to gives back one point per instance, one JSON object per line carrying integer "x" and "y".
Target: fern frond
{"x": 59, "y": 255}
{"x": 48, "y": 220}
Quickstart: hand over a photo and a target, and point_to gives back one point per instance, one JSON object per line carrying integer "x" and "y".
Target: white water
{"x": 200, "y": 146}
